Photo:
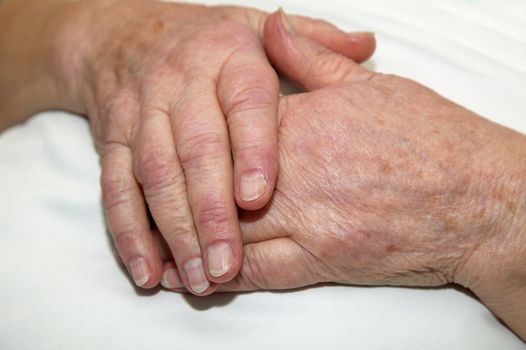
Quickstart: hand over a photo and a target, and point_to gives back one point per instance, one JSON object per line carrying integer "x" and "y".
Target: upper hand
{"x": 183, "y": 105}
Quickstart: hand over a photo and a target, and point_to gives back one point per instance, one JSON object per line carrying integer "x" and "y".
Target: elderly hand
{"x": 175, "y": 94}
{"x": 384, "y": 182}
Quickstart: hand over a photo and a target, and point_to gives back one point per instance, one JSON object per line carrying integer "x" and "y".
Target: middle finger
{"x": 202, "y": 143}
{"x": 161, "y": 176}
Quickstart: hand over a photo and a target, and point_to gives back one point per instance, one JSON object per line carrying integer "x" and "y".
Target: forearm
{"x": 28, "y": 83}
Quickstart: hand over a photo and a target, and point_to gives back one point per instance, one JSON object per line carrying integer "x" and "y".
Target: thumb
{"x": 304, "y": 61}
{"x": 274, "y": 264}
{"x": 358, "y": 46}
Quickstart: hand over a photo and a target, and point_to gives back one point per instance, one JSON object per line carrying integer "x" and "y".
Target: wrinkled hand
{"x": 384, "y": 182}
{"x": 176, "y": 94}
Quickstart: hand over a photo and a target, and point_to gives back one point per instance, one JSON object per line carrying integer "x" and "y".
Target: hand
{"x": 171, "y": 90}
{"x": 384, "y": 182}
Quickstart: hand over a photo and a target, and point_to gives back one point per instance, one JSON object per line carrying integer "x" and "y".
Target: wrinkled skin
{"x": 384, "y": 182}
{"x": 376, "y": 190}
{"x": 183, "y": 105}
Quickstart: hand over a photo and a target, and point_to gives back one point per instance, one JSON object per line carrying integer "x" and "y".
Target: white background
{"x": 61, "y": 288}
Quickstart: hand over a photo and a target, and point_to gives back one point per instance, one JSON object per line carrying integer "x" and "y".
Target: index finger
{"x": 248, "y": 91}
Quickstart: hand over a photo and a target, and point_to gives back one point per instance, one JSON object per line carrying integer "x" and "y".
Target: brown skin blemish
{"x": 480, "y": 214}
{"x": 391, "y": 248}
{"x": 463, "y": 188}
{"x": 512, "y": 207}
{"x": 447, "y": 146}
{"x": 386, "y": 169}
{"x": 500, "y": 193}
{"x": 158, "y": 26}
{"x": 449, "y": 224}
{"x": 119, "y": 64}
{"x": 401, "y": 153}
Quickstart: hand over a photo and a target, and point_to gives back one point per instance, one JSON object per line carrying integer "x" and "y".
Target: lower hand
{"x": 384, "y": 182}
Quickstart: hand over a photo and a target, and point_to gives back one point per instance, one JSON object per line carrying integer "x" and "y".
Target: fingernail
{"x": 252, "y": 186}
{"x": 196, "y": 275}
{"x": 171, "y": 280}
{"x": 139, "y": 271}
{"x": 286, "y": 21}
{"x": 220, "y": 258}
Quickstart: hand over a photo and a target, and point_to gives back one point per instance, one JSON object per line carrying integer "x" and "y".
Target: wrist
{"x": 497, "y": 274}
{"x": 495, "y": 268}
{"x": 28, "y": 84}
{"x": 68, "y": 53}
{"x": 80, "y": 43}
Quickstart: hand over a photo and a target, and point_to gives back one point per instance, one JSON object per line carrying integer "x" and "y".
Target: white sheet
{"x": 60, "y": 287}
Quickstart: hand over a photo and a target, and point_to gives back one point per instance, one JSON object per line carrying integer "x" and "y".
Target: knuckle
{"x": 251, "y": 98}
{"x": 181, "y": 234}
{"x": 155, "y": 169}
{"x": 197, "y": 150}
{"x": 211, "y": 45}
{"x": 114, "y": 117}
{"x": 127, "y": 240}
{"x": 327, "y": 63}
{"x": 322, "y": 60}
{"x": 116, "y": 189}
{"x": 252, "y": 272}
{"x": 215, "y": 218}
{"x": 216, "y": 37}
{"x": 231, "y": 31}
{"x": 254, "y": 154}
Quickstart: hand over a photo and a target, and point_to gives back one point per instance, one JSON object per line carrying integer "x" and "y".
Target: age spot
{"x": 380, "y": 121}
{"x": 391, "y": 248}
{"x": 512, "y": 207}
{"x": 385, "y": 168}
{"x": 158, "y": 26}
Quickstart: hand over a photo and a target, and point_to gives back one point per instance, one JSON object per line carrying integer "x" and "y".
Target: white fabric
{"x": 60, "y": 287}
